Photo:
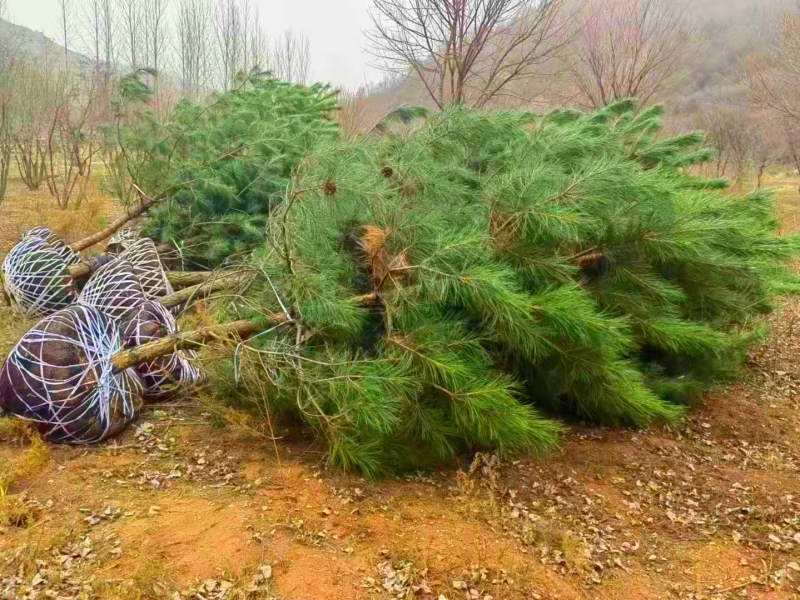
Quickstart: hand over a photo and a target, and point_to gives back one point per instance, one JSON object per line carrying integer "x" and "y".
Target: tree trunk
{"x": 176, "y": 278}
{"x": 213, "y": 282}
{"x": 193, "y": 339}
{"x": 190, "y": 339}
{"x": 91, "y": 240}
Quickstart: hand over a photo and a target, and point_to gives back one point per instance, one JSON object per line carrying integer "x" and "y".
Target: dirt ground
{"x": 181, "y": 507}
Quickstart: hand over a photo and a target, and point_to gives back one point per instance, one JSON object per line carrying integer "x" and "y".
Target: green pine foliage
{"x": 467, "y": 279}
{"x": 223, "y": 165}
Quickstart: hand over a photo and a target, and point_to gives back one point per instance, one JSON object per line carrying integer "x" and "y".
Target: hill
{"x": 17, "y": 40}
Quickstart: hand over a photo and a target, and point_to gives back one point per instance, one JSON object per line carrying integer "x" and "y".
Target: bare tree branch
{"x": 628, "y": 48}
{"x": 775, "y": 79}
{"x": 194, "y": 32}
{"x": 290, "y": 57}
{"x": 467, "y": 51}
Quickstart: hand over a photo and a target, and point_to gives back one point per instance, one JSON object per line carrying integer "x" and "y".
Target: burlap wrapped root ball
{"x": 113, "y": 289}
{"x": 126, "y": 290}
{"x": 60, "y": 246}
{"x": 60, "y": 377}
{"x": 166, "y": 376}
{"x": 144, "y": 257}
{"x": 129, "y": 280}
{"x": 36, "y": 273}
{"x": 36, "y": 278}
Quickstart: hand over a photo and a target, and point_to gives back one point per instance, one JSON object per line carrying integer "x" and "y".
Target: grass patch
{"x": 32, "y": 456}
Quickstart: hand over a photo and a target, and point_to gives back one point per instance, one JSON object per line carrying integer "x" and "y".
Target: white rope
{"x": 166, "y": 375}
{"x": 36, "y": 277}
{"x": 60, "y": 377}
{"x": 127, "y": 290}
{"x": 37, "y": 280}
{"x": 142, "y": 254}
{"x": 64, "y": 251}
{"x": 113, "y": 289}
{"x": 122, "y": 240}
{"x": 135, "y": 276}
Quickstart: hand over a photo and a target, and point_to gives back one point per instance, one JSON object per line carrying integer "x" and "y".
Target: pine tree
{"x": 224, "y": 164}
{"x": 459, "y": 280}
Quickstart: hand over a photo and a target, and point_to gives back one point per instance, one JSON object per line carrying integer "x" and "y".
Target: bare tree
{"x": 246, "y": 15}
{"x": 258, "y": 45}
{"x": 34, "y": 93}
{"x": 629, "y": 48}
{"x": 229, "y": 28}
{"x": 100, "y": 39}
{"x": 737, "y": 137}
{"x": 8, "y": 68}
{"x": 791, "y": 138}
{"x": 155, "y": 44}
{"x": 70, "y": 144}
{"x": 94, "y": 38}
{"x": 194, "y": 32}
{"x": 5, "y": 137}
{"x": 65, "y": 28}
{"x": 467, "y": 51}
{"x": 775, "y": 78}
{"x": 155, "y": 33}
{"x": 131, "y": 25}
{"x": 290, "y": 57}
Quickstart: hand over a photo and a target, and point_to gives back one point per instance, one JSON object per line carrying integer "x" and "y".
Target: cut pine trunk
{"x": 145, "y": 204}
{"x": 187, "y": 340}
{"x": 176, "y": 278}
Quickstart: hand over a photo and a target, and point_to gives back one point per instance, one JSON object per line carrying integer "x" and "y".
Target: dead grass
{"x": 32, "y": 453}
{"x": 23, "y": 209}
{"x": 29, "y": 459}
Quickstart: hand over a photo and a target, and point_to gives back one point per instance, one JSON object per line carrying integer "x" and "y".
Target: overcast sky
{"x": 335, "y": 28}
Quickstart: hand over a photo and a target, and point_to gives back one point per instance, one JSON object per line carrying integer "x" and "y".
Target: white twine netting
{"x": 135, "y": 276}
{"x": 113, "y": 289}
{"x": 126, "y": 290}
{"x": 142, "y": 254}
{"x": 122, "y": 240}
{"x": 36, "y": 278}
{"x": 167, "y": 375}
{"x": 60, "y": 377}
{"x": 64, "y": 251}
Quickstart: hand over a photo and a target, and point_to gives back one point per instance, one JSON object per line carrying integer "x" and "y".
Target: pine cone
{"x": 330, "y": 188}
{"x": 387, "y": 172}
